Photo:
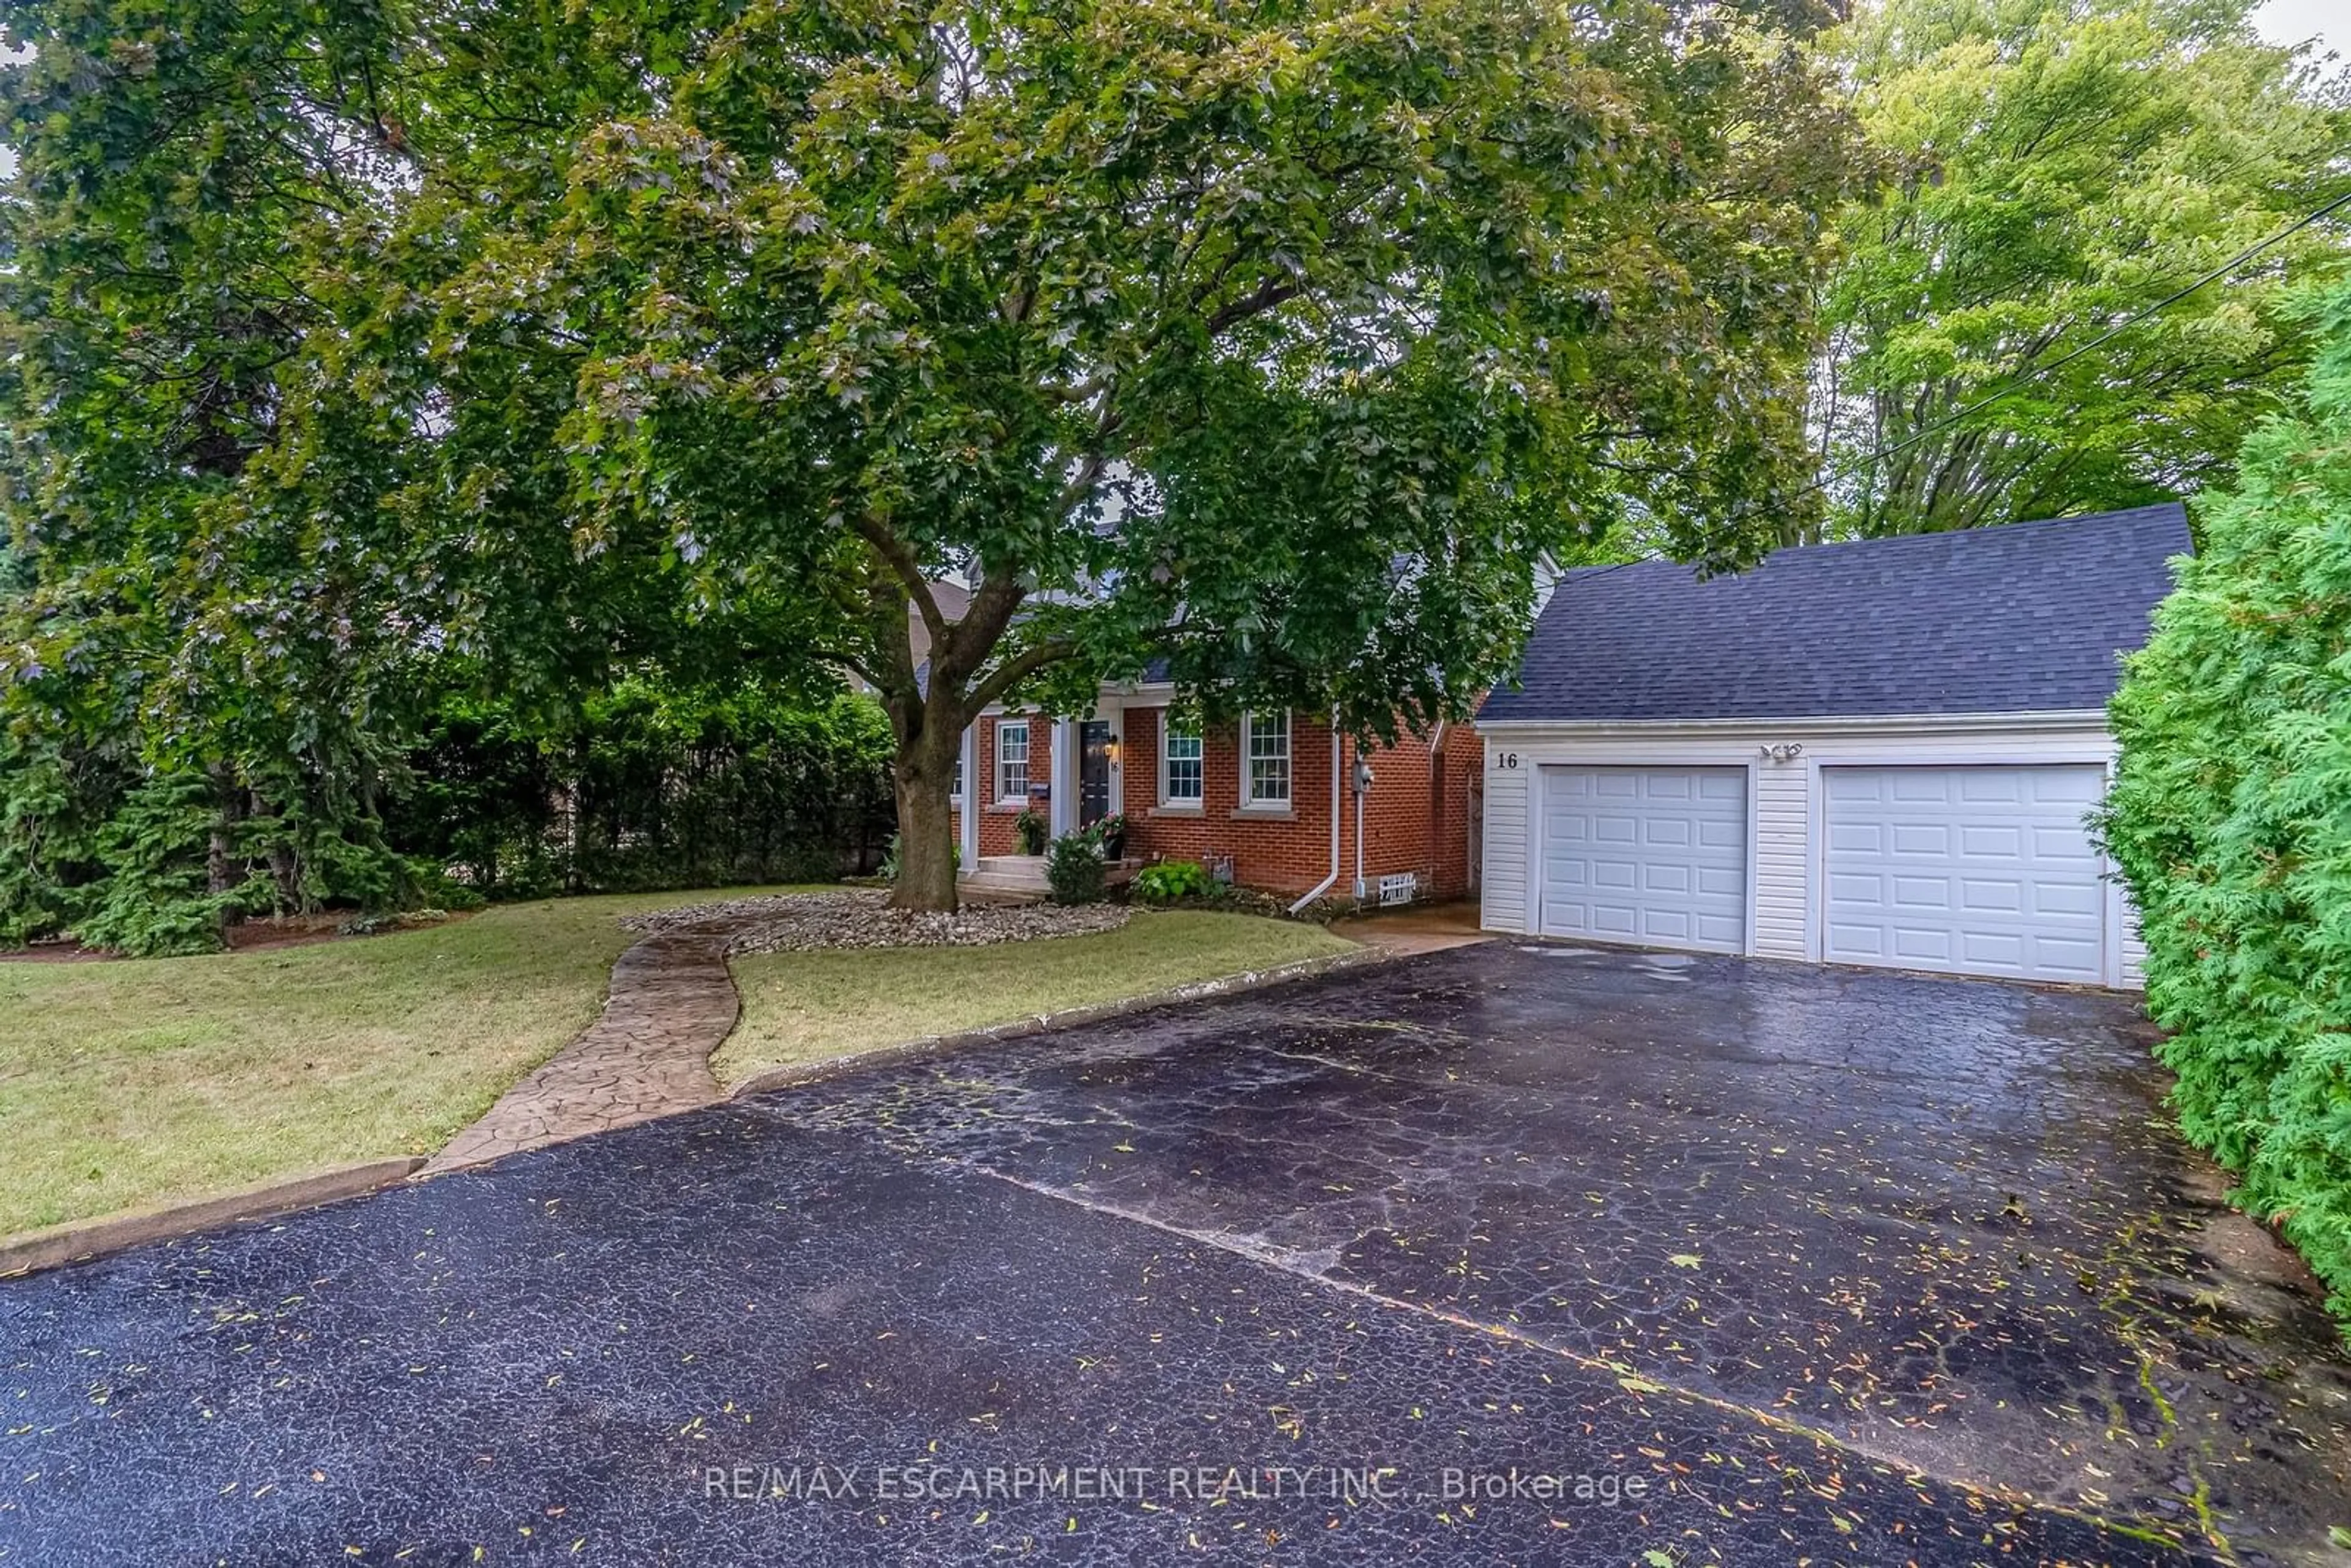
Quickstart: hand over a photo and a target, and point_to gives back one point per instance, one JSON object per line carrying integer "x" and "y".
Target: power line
{"x": 2034, "y": 372}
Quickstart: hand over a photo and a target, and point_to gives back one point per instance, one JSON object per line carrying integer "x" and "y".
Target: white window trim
{"x": 1254, "y": 802}
{"x": 1190, "y": 804}
{"x": 1005, "y": 727}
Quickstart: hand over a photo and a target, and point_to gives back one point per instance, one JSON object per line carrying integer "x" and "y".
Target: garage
{"x": 1877, "y": 752}
{"x": 1652, "y": 855}
{"x": 1983, "y": 870}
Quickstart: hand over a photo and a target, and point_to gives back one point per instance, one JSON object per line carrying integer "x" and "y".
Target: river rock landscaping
{"x": 860, "y": 917}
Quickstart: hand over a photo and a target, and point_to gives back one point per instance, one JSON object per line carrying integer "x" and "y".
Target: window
{"x": 1182, "y": 762}
{"x": 1265, "y": 759}
{"x": 1011, "y": 760}
{"x": 954, "y": 789}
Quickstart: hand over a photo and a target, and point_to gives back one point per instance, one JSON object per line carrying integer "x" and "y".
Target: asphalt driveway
{"x": 1726, "y": 1260}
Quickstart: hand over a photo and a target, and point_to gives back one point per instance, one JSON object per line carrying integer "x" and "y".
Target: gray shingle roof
{"x": 2022, "y": 617}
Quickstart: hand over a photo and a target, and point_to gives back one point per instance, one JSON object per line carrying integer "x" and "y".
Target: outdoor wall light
{"x": 1784, "y": 751}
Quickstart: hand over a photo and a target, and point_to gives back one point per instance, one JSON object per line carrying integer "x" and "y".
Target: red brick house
{"x": 1271, "y": 798}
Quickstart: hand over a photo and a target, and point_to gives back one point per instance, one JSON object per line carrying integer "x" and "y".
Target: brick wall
{"x": 1415, "y": 818}
{"x": 1286, "y": 852}
{"x": 1393, "y": 820}
{"x": 995, "y": 834}
{"x": 1464, "y": 765}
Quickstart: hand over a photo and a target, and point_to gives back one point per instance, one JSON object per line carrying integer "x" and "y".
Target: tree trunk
{"x": 926, "y": 852}
{"x": 285, "y": 870}
{"x": 220, "y": 850}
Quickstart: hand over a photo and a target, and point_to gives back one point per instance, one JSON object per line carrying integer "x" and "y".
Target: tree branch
{"x": 1266, "y": 296}
{"x": 851, "y": 662}
{"x": 899, "y": 557}
{"x": 959, "y": 655}
{"x": 1017, "y": 668}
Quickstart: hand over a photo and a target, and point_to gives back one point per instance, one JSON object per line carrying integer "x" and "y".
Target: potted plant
{"x": 1112, "y": 830}
{"x": 1029, "y": 828}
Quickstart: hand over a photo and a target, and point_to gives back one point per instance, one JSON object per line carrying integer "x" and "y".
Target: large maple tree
{"x": 1278, "y": 343}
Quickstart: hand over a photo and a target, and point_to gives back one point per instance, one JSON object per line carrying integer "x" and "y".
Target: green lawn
{"x": 806, "y": 1006}
{"x": 124, "y": 1085}
{"x": 129, "y": 1083}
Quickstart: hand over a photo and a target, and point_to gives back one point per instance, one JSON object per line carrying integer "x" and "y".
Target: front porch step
{"x": 1011, "y": 870}
{"x": 1008, "y": 877}
{"x": 1023, "y": 875}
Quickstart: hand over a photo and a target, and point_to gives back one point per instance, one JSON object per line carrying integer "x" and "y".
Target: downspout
{"x": 1357, "y": 783}
{"x": 1320, "y": 888}
{"x": 1356, "y": 780}
{"x": 1436, "y": 802}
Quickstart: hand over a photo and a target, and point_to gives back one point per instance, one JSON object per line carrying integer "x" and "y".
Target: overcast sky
{"x": 2292, "y": 21}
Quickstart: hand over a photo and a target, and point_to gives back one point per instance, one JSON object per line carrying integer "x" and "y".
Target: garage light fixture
{"x": 1784, "y": 751}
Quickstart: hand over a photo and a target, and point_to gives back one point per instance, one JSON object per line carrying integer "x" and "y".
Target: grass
{"x": 130, "y": 1083}
{"x": 806, "y": 1006}
{"x": 126, "y": 1084}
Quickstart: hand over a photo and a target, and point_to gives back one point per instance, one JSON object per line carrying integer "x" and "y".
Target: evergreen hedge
{"x": 654, "y": 789}
{"x": 2231, "y": 819}
{"x": 643, "y": 788}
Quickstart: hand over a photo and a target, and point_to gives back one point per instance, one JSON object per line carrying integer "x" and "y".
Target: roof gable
{"x": 2017, "y": 618}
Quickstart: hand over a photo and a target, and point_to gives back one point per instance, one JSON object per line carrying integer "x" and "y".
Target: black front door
{"x": 1093, "y": 771}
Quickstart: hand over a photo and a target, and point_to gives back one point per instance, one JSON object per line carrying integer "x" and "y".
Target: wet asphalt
{"x": 1498, "y": 1255}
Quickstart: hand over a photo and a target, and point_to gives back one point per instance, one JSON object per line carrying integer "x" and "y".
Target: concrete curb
{"x": 798, "y": 1072}
{"x": 80, "y": 1239}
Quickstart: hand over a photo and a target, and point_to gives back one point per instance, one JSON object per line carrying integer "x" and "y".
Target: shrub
{"x": 650, "y": 788}
{"x": 2231, "y": 819}
{"x": 55, "y": 799}
{"x": 1029, "y": 828}
{"x": 1074, "y": 871}
{"x": 1170, "y": 882}
{"x": 156, "y": 899}
{"x": 640, "y": 788}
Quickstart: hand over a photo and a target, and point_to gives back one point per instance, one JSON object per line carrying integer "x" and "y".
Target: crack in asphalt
{"x": 1634, "y": 1380}
{"x": 1538, "y": 1183}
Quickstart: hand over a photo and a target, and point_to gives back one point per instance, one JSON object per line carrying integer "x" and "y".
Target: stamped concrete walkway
{"x": 1417, "y": 928}
{"x": 672, "y": 1003}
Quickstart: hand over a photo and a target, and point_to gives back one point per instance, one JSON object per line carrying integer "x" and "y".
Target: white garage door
{"x": 1970, "y": 871}
{"x": 1654, "y": 855}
